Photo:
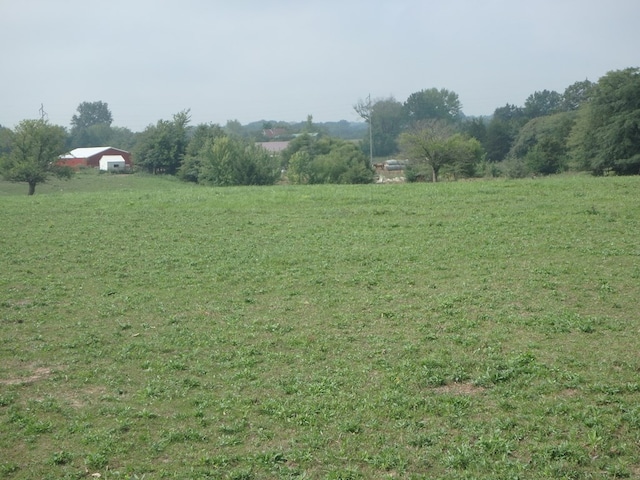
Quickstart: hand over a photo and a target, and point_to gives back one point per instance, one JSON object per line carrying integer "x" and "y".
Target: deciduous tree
{"x": 344, "y": 163}
{"x": 326, "y": 160}
{"x": 299, "y": 166}
{"x": 539, "y": 104}
{"x": 465, "y": 153}
{"x": 425, "y": 144}
{"x": 91, "y": 113}
{"x": 435, "y": 144}
{"x": 35, "y": 148}
{"x": 230, "y": 161}
{"x": 91, "y": 125}
{"x": 503, "y": 130}
{"x": 475, "y": 127}
{"x": 313, "y": 145}
{"x": 433, "y": 104}
{"x": 542, "y": 143}
{"x": 203, "y": 134}
{"x": 607, "y": 133}
{"x": 161, "y": 147}
{"x": 387, "y": 121}
{"x": 576, "y": 95}
{"x": 5, "y": 140}
{"x": 234, "y": 128}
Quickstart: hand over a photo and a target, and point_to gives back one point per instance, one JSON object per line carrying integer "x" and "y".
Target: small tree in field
{"x": 434, "y": 144}
{"x": 426, "y": 144}
{"x": 298, "y": 171}
{"x": 35, "y": 148}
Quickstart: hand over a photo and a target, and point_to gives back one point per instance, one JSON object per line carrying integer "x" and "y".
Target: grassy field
{"x": 153, "y": 329}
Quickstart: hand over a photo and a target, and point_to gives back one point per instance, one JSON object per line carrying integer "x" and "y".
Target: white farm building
{"x": 113, "y": 163}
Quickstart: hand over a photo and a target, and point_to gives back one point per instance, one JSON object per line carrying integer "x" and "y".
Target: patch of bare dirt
{"x": 83, "y": 398}
{"x": 459, "y": 389}
{"x": 40, "y": 373}
{"x": 569, "y": 392}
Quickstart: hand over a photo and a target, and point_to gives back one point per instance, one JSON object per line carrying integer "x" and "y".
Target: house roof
{"x": 112, "y": 158}
{"x": 274, "y": 132}
{"x": 87, "y": 152}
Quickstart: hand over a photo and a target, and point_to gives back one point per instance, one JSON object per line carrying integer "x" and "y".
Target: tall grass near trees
{"x": 153, "y": 329}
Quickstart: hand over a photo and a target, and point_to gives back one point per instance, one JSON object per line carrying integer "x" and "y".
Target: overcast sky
{"x": 283, "y": 59}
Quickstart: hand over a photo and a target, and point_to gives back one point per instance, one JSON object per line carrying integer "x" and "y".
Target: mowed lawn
{"x": 485, "y": 329}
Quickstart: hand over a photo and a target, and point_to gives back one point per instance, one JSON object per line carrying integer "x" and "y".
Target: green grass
{"x": 154, "y": 329}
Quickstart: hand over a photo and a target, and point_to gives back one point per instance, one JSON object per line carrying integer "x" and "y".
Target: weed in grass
{"x": 7, "y": 399}
{"x": 61, "y": 458}
{"x": 460, "y": 457}
{"x": 9, "y": 468}
{"x": 344, "y": 474}
{"x": 245, "y": 473}
{"x": 422, "y": 440}
{"x": 96, "y": 461}
{"x": 352, "y": 426}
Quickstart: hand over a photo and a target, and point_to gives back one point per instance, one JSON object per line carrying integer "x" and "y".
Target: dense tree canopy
{"x": 92, "y": 113}
{"x": 388, "y": 118}
{"x": 5, "y": 140}
{"x": 387, "y": 121}
{"x": 539, "y": 104}
{"x": 509, "y": 136}
{"x": 91, "y": 125}
{"x": 433, "y": 104}
{"x": 191, "y": 165}
{"x": 234, "y": 127}
{"x": 326, "y": 160}
{"x": 343, "y": 163}
{"x": 475, "y": 127}
{"x": 227, "y": 161}
{"x": 576, "y": 95}
{"x": 307, "y": 143}
{"x": 35, "y": 148}
{"x": 102, "y": 135}
{"x": 162, "y": 147}
{"x": 542, "y": 143}
{"x": 606, "y": 137}
{"x": 502, "y": 131}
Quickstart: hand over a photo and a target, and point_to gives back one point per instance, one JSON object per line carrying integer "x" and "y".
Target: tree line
{"x": 205, "y": 153}
{"x": 591, "y": 126}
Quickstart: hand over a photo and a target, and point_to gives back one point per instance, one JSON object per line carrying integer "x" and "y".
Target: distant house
{"x": 272, "y": 133}
{"x": 90, "y": 157}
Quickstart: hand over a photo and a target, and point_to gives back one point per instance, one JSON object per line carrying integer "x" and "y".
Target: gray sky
{"x": 283, "y": 59}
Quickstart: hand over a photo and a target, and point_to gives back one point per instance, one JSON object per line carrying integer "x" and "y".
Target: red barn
{"x": 90, "y": 156}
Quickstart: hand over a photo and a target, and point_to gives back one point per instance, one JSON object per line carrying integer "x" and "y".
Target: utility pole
{"x": 43, "y": 114}
{"x": 364, "y": 110}
{"x": 370, "y": 130}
